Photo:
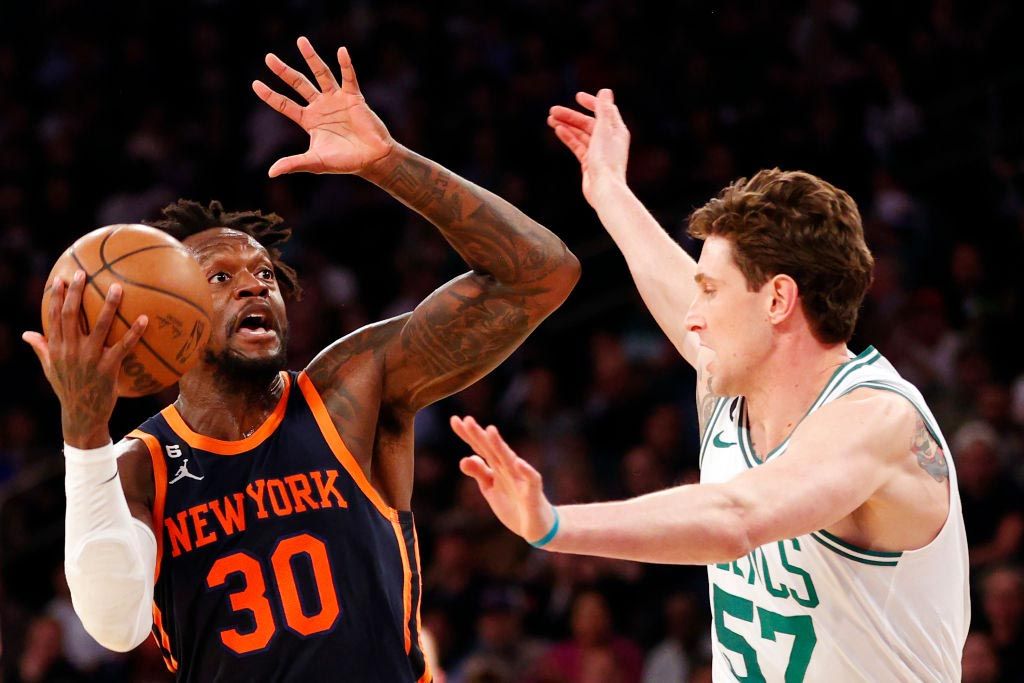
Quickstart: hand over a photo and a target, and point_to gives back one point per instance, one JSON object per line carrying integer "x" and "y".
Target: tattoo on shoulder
{"x": 327, "y": 370}
{"x": 929, "y": 454}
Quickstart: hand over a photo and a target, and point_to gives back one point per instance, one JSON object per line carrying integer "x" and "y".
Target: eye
{"x": 266, "y": 273}
{"x": 219, "y": 277}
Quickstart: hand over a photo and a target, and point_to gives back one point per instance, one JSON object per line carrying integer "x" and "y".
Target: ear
{"x": 784, "y": 299}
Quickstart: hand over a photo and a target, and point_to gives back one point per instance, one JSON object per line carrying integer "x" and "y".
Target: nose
{"x": 248, "y": 285}
{"x": 694, "y": 320}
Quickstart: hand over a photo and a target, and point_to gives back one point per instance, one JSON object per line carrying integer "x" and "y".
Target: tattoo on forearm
{"x": 88, "y": 398}
{"x": 489, "y": 233}
{"x": 928, "y": 453}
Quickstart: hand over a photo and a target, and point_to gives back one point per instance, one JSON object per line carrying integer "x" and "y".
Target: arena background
{"x": 108, "y": 112}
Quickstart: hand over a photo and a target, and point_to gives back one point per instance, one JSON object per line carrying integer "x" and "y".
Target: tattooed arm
{"x": 520, "y": 271}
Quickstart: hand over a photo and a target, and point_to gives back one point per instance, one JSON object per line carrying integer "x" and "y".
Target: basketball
{"x": 161, "y": 280}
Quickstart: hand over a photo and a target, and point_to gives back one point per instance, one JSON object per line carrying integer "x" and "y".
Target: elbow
{"x": 564, "y": 277}
{"x": 736, "y": 535}
{"x": 116, "y": 637}
{"x": 732, "y": 543}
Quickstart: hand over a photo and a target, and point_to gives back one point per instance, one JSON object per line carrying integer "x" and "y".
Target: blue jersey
{"x": 276, "y": 558}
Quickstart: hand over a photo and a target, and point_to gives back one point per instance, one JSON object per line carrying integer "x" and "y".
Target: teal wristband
{"x": 549, "y": 536}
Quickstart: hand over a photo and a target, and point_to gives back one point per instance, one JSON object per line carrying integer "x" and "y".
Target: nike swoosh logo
{"x": 722, "y": 444}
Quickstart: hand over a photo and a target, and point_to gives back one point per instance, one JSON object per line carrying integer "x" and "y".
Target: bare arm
{"x": 520, "y": 271}
{"x": 824, "y": 479}
{"x": 662, "y": 270}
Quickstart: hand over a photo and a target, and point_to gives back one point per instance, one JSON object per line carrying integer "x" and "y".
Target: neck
{"x": 786, "y": 386}
{"x": 226, "y": 408}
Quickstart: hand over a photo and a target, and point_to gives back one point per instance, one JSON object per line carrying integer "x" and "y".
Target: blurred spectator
{"x": 595, "y": 653}
{"x": 41, "y": 661}
{"x": 1003, "y": 603}
{"x": 991, "y": 501}
{"x": 672, "y": 659}
{"x": 501, "y": 643}
{"x": 980, "y": 663}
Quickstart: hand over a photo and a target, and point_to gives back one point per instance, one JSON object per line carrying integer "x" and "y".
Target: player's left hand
{"x": 345, "y": 136}
{"x": 509, "y": 484}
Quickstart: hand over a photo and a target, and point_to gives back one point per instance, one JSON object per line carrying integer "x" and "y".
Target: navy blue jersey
{"x": 276, "y": 558}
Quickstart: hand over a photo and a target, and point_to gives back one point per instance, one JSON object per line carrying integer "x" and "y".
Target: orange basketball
{"x": 161, "y": 280}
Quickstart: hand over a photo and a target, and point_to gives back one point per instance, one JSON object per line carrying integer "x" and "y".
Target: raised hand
{"x": 508, "y": 483}
{"x": 345, "y": 136}
{"x": 81, "y": 368}
{"x": 600, "y": 142}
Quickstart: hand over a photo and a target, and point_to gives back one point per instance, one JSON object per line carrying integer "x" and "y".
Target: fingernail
{"x": 79, "y": 275}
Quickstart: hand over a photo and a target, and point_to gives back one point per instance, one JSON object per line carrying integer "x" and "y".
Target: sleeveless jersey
{"x": 276, "y": 558}
{"x": 818, "y": 608}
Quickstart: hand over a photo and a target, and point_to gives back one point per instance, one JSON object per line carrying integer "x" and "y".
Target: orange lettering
{"x": 178, "y": 533}
{"x": 326, "y": 489}
{"x": 199, "y": 522}
{"x": 299, "y": 484}
{"x": 281, "y": 503}
{"x": 257, "y": 495}
{"x": 232, "y": 518}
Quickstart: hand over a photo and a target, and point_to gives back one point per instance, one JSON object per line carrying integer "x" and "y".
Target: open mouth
{"x": 256, "y": 326}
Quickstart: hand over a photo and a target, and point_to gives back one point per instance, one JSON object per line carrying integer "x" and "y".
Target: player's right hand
{"x": 509, "y": 484}
{"x": 599, "y": 142}
{"x": 81, "y": 368}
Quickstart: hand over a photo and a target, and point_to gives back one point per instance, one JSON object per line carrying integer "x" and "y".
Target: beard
{"x": 238, "y": 372}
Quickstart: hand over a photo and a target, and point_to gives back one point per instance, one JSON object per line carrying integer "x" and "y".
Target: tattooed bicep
{"x": 456, "y": 336}
{"x": 930, "y": 456}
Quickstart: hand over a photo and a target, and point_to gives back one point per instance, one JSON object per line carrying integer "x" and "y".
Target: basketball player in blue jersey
{"x": 260, "y": 525}
{"x": 827, "y": 511}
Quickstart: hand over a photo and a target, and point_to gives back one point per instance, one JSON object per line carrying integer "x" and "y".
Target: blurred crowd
{"x": 110, "y": 111}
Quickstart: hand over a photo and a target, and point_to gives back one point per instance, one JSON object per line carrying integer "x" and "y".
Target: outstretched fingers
{"x": 587, "y": 101}
{"x": 296, "y": 79}
{"x": 324, "y": 77}
{"x": 570, "y": 117}
{"x": 278, "y": 101}
{"x": 576, "y": 141}
{"x": 483, "y": 443}
{"x": 475, "y": 467}
{"x": 349, "y": 82}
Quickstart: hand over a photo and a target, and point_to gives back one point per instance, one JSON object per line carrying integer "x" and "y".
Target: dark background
{"x": 109, "y": 111}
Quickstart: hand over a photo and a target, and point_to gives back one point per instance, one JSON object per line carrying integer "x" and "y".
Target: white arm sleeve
{"x": 109, "y": 556}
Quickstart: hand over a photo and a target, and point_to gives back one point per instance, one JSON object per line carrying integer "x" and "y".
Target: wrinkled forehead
{"x": 217, "y": 241}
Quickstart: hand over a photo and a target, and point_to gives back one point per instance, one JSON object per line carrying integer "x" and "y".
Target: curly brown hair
{"x": 186, "y": 217}
{"x": 794, "y": 223}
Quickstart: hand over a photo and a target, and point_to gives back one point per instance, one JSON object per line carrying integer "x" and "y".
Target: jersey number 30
{"x": 252, "y": 597}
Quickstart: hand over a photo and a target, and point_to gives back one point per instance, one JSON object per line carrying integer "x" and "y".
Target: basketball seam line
{"x": 107, "y": 266}
{"x": 120, "y": 317}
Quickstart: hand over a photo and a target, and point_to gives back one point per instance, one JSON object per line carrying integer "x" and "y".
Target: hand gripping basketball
{"x": 82, "y": 369}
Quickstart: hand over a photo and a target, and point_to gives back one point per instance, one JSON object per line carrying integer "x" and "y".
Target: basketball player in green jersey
{"x": 827, "y": 513}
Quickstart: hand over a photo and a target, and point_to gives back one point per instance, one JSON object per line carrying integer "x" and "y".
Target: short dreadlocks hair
{"x": 185, "y": 217}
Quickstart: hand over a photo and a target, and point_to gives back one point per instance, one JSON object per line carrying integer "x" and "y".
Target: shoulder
{"x": 882, "y": 423}
{"x": 365, "y": 348}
